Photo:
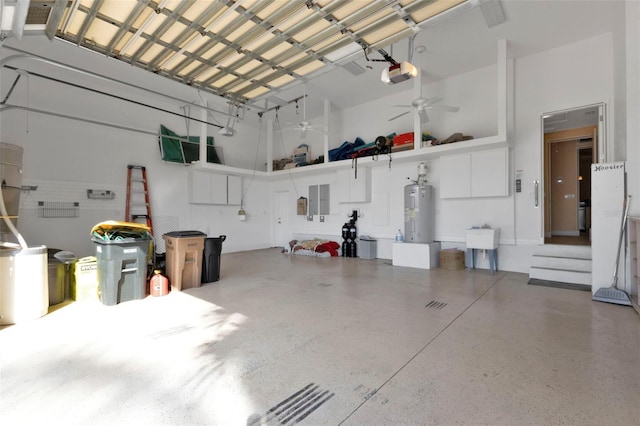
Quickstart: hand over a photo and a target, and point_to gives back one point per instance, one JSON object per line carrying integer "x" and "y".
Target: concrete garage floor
{"x": 282, "y": 339}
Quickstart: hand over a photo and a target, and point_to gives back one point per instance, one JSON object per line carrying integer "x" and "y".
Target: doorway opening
{"x": 280, "y": 226}
{"x": 573, "y": 140}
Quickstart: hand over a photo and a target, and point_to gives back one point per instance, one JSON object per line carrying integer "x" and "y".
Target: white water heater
{"x": 419, "y": 221}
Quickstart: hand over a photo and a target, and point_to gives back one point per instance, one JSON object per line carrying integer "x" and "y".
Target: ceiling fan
{"x": 305, "y": 126}
{"x": 422, "y": 104}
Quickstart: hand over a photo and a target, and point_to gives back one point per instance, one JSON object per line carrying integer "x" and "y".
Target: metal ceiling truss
{"x": 243, "y": 50}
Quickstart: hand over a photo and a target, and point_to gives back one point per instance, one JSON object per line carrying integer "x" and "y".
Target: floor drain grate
{"x": 434, "y": 304}
{"x": 295, "y": 408}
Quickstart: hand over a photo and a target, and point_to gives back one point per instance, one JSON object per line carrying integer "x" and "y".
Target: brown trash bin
{"x": 184, "y": 258}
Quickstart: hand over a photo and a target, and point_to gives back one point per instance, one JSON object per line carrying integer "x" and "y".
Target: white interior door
{"x": 281, "y": 234}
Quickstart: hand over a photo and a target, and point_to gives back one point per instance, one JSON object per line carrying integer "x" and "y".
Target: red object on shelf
{"x": 403, "y": 139}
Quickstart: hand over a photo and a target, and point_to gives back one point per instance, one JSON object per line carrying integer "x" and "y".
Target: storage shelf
{"x": 419, "y": 154}
{"x": 416, "y": 154}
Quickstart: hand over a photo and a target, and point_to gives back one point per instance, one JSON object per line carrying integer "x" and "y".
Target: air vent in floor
{"x": 434, "y": 304}
{"x": 295, "y": 408}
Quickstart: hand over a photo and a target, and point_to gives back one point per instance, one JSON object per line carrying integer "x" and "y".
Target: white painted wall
{"x": 65, "y": 157}
{"x": 474, "y": 93}
{"x": 553, "y": 80}
{"x": 632, "y": 124}
{"x": 558, "y": 79}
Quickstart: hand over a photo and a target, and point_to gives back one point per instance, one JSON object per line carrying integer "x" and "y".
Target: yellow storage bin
{"x": 83, "y": 283}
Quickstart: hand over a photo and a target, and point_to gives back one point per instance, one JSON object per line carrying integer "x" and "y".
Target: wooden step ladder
{"x": 138, "y": 207}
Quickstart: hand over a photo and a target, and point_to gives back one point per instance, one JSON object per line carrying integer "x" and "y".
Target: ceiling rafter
{"x": 193, "y": 28}
{"x": 55, "y": 17}
{"x": 70, "y": 15}
{"x": 230, "y": 48}
{"x": 95, "y": 7}
{"x": 406, "y": 16}
{"x": 401, "y": 35}
{"x": 358, "y": 16}
{"x": 140, "y": 31}
{"x": 125, "y": 27}
{"x": 171, "y": 18}
{"x": 233, "y": 47}
{"x": 204, "y": 32}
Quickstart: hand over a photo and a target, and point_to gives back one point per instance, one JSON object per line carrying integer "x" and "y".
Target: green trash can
{"x": 122, "y": 269}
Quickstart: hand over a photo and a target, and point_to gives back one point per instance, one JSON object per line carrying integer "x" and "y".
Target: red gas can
{"x": 159, "y": 284}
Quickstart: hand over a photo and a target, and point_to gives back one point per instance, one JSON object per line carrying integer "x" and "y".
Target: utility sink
{"x": 483, "y": 238}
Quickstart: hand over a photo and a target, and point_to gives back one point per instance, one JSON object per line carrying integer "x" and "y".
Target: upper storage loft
{"x": 321, "y": 143}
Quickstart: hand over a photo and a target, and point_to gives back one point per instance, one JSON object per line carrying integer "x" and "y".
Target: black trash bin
{"x": 211, "y": 259}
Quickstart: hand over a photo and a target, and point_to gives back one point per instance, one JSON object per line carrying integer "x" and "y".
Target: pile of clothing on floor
{"x": 316, "y": 247}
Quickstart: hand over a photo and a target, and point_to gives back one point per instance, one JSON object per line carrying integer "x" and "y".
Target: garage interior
{"x": 484, "y": 99}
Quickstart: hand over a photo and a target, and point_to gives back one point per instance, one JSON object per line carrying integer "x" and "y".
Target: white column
{"x": 327, "y": 112}
{"x": 417, "y": 93}
{"x": 203, "y": 135}
{"x": 502, "y": 88}
{"x": 269, "y": 145}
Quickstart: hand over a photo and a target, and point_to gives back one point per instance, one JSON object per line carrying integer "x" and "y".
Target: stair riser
{"x": 583, "y": 265}
{"x": 561, "y": 276}
{"x": 580, "y": 252}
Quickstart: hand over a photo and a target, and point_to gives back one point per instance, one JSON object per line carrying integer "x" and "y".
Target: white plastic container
{"x": 24, "y": 286}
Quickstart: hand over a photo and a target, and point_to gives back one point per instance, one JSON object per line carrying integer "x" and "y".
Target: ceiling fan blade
{"x": 423, "y": 116}
{"x": 432, "y": 101}
{"x": 447, "y": 108}
{"x": 403, "y": 106}
{"x": 399, "y": 115}
{"x": 324, "y": 132}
